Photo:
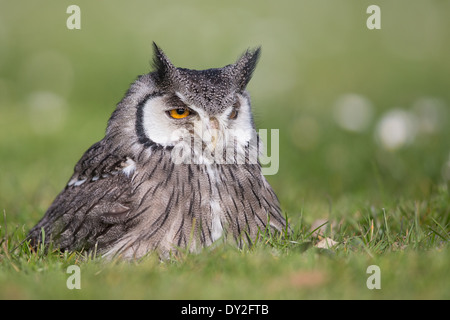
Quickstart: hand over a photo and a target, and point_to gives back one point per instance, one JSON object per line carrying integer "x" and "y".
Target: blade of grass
{"x": 388, "y": 231}
{"x": 444, "y": 237}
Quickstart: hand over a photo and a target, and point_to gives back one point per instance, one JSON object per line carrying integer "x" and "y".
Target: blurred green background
{"x": 362, "y": 113}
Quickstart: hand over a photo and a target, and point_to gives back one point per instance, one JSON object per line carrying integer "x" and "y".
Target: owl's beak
{"x": 214, "y": 131}
{"x": 208, "y": 131}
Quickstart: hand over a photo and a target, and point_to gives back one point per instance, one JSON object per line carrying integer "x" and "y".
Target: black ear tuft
{"x": 244, "y": 67}
{"x": 162, "y": 65}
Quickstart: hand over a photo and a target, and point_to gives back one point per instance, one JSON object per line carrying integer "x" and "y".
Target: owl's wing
{"x": 95, "y": 204}
{"x": 98, "y": 162}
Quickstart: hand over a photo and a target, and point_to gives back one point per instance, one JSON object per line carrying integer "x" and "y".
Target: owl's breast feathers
{"x": 117, "y": 205}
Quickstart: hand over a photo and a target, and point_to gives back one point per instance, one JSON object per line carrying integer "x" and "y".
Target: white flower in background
{"x": 446, "y": 170}
{"x": 353, "y": 112}
{"x": 432, "y": 114}
{"x": 47, "y": 112}
{"x": 396, "y": 129}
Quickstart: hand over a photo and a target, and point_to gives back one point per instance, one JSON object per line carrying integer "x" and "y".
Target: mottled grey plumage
{"x": 130, "y": 194}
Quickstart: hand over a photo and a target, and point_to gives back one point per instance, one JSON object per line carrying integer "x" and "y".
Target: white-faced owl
{"x": 178, "y": 168}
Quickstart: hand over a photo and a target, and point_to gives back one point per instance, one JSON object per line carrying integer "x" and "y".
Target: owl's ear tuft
{"x": 162, "y": 66}
{"x": 244, "y": 67}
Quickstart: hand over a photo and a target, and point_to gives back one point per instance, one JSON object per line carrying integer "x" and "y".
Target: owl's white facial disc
{"x": 206, "y": 137}
{"x": 157, "y": 126}
{"x": 241, "y": 128}
{"x": 230, "y": 131}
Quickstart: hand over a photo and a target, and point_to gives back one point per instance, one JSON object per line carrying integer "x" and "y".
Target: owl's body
{"x": 175, "y": 170}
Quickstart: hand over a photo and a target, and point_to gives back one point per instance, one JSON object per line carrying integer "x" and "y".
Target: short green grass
{"x": 409, "y": 242}
{"x": 384, "y": 207}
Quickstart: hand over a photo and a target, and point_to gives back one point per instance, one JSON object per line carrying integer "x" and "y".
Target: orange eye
{"x": 179, "y": 113}
{"x": 233, "y": 115}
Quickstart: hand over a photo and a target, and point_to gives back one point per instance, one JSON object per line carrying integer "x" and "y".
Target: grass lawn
{"x": 408, "y": 242}
{"x": 364, "y": 149}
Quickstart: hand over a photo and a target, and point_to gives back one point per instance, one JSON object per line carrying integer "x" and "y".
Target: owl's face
{"x": 171, "y": 120}
{"x": 192, "y": 111}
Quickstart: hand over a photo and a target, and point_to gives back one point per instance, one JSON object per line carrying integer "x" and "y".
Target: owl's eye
{"x": 233, "y": 115}
{"x": 179, "y": 113}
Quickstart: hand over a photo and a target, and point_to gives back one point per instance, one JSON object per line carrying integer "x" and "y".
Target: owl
{"x": 177, "y": 169}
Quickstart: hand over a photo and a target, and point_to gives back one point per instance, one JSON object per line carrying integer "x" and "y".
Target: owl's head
{"x": 190, "y": 111}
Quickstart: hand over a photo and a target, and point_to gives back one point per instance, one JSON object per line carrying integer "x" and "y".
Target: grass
{"x": 409, "y": 242}
{"x": 384, "y": 206}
